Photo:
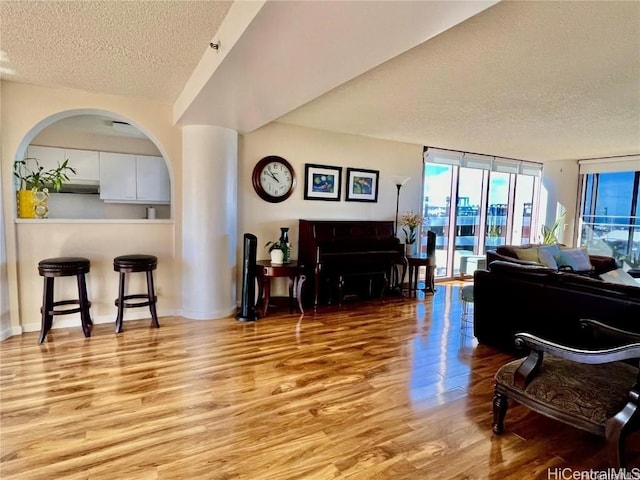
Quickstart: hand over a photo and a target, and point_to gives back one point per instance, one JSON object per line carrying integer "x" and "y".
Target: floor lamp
{"x": 400, "y": 181}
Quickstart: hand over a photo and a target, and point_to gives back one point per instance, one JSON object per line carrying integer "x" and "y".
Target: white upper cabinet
{"x": 123, "y": 177}
{"x": 48, "y": 157}
{"x": 85, "y": 162}
{"x": 117, "y": 176}
{"x": 152, "y": 179}
{"x": 134, "y": 178}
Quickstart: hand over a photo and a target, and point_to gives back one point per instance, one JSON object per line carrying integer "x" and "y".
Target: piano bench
{"x": 370, "y": 275}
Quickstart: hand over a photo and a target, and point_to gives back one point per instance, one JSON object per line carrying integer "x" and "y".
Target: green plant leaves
{"x": 32, "y": 175}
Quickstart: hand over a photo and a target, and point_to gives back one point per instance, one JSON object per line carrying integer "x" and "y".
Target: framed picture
{"x": 322, "y": 182}
{"x": 362, "y": 185}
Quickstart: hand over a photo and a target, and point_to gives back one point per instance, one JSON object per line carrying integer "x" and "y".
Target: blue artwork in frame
{"x": 362, "y": 185}
{"x": 322, "y": 182}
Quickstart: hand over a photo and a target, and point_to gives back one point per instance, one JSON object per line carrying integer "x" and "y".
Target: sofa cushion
{"x": 575, "y": 258}
{"x": 507, "y": 250}
{"x": 529, "y": 254}
{"x": 548, "y": 255}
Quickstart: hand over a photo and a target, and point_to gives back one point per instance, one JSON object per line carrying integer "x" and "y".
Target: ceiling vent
{"x": 124, "y": 127}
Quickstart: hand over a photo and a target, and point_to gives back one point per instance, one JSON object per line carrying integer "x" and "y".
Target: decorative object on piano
{"x": 399, "y": 181}
{"x": 362, "y": 185}
{"x": 410, "y": 222}
{"x": 274, "y": 179}
{"x": 322, "y": 182}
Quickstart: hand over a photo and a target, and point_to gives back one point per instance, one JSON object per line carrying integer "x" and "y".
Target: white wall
{"x": 5, "y": 318}
{"x": 26, "y": 110}
{"x": 25, "y": 106}
{"x": 54, "y": 136}
{"x": 303, "y": 145}
{"x": 559, "y": 193}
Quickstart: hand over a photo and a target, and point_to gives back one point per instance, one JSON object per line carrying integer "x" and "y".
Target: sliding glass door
{"x": 492, "y": 205}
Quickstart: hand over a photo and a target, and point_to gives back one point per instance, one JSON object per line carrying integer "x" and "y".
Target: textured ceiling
{"x": 538, "y": 80}
{"x": 529, "y": 80}
{"x": 145, "y": 49}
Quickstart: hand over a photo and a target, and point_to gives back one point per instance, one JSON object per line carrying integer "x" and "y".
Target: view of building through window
{"x": 610, "y": 216}
{"x": 491, "y": 208}
{"x": 495, "y": 208}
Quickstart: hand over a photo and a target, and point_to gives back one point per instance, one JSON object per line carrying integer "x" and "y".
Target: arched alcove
{"x": 100, "y": 142}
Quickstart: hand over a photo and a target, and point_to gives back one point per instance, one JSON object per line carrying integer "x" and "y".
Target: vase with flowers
{"x": 410, "y": 222}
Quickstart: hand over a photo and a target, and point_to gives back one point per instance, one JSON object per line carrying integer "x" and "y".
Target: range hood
{"x": 86, "y": 187}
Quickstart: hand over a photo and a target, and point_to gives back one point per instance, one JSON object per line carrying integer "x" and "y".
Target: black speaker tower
{"x": 247, "y": 311}
{"x": 431, "y": 244}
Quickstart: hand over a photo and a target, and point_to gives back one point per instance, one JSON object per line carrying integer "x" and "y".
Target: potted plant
{"x": 34, "y": 183}
{"x": 549, "y": 234}
{"x": 276, "y": 251}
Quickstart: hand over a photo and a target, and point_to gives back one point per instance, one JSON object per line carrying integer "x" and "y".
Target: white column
{"x": 210, "y": 185}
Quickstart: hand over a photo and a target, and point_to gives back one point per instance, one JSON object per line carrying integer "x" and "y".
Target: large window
{"x": 493, "y": 203}
{"x": 497, "y": 210}
{"x": 609, "y": 222}
{"x": 437, "y": 209}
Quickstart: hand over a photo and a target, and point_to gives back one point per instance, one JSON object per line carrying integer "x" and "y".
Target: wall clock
{"x": 274, "y": 179}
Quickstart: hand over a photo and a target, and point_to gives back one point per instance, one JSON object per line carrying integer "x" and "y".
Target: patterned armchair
{"x": 595, "y": 390}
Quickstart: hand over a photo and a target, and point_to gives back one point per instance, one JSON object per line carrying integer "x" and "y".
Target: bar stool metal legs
{"x": 64, "y": 267}
{"x": 126, "y": 264}
{"x": 466, "y": 319}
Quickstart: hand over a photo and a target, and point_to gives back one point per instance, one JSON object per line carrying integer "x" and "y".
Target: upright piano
{"x": 332, "y": 249}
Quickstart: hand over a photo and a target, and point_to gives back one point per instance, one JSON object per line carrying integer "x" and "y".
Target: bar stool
{"x": 51, "y": 268}
{"x": 466, "y": 297}
{"x": 131, "y": 264}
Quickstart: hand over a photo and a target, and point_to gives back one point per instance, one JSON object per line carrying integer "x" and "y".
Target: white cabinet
{"x": 134, "y": 178}
{"x": 85, "y": 162}
{"x": 152, "y": 179}
{"x": 48, "y": 157}
{"x": 117, "y": 176}
{"x": 123, "y": 177}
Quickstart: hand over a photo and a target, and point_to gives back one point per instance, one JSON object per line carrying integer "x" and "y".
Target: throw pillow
{"x": 547, "y": 254}
{"x": 575, "y": 258}
{"x": 530, "y": 253}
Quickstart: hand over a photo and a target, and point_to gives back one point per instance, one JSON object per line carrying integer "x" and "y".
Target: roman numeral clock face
{"x": 273, "y": 179}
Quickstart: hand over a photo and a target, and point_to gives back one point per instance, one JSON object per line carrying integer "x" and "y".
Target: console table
{"x": 265, "y": 271}
{"x": 414, "y": 264}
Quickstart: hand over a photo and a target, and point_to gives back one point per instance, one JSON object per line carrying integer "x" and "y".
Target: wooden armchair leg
{"x": 618, "y": 428}
{"x": 500, "y": 406}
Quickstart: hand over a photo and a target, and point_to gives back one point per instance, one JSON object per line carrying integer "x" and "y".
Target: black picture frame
{"x": 362, "y": 185}
{"x": 322, "y": 182}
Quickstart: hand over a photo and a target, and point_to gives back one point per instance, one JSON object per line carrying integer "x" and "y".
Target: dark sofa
{"x": 513, "y": 297}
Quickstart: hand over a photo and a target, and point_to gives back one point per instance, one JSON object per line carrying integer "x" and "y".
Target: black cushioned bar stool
{"x": 51, "y": 268}
{"x": 131, "y": 264}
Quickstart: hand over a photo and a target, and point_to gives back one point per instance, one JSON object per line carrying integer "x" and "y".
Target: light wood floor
{"x": 371, "y": 391}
